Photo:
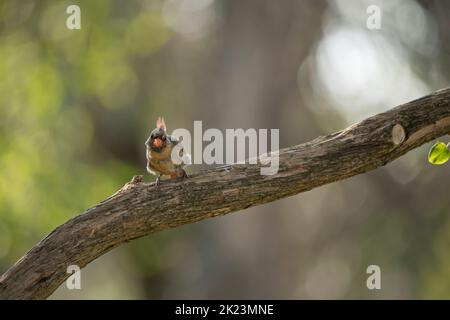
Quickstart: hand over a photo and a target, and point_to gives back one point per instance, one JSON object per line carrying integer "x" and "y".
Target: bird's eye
{"x": 163, "y": 138}
{"x": 152, "y": 136}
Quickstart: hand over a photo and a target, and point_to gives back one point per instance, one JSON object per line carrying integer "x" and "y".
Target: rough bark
{"x": 139, "y": 208}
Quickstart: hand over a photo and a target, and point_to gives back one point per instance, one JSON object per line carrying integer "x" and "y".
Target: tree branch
{"x": 139, "y": 209}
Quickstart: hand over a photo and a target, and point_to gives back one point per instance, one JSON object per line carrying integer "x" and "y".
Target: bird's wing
{"x": 173, "y": 140}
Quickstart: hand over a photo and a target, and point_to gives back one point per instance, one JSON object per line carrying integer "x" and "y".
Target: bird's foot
{"x": 179, "y": 175}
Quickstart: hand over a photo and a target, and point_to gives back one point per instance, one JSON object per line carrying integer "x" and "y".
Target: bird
{"x": 159, "y": 147}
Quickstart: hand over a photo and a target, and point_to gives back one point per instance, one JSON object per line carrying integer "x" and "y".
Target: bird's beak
{"x": 157, "y": 142}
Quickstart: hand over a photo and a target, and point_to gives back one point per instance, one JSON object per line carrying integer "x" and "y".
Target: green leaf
{"x": 439, "y": 153}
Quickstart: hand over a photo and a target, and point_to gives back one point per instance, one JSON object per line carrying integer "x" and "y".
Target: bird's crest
{"x": 160, "y": 123}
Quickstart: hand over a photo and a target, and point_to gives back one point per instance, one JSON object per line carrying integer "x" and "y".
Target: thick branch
{"x": 139, "y": 209}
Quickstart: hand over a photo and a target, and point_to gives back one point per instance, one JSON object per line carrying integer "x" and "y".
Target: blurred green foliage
{"x": 54, "y": 84}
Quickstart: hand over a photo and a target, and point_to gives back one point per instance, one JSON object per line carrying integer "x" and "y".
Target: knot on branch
{"x": 398, "y": 134}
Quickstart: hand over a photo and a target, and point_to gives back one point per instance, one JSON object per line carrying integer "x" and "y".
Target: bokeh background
{"x": 76, "y": 107}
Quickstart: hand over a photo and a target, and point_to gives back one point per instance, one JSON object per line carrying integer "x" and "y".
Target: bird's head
{"x": 158, "y": 137}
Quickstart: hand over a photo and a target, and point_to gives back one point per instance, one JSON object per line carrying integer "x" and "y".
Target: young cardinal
{"x": 159, "y": 154}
